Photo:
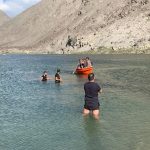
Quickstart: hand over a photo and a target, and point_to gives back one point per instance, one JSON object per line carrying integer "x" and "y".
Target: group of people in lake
{"x": 91, "y": 89}
{"x": 84, "y": 62}
{"x": 46, "y": 77}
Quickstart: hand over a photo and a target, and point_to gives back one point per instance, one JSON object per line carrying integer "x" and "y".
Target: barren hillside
{"x": 68, "y": 26}
{"x": 3, "y": 18}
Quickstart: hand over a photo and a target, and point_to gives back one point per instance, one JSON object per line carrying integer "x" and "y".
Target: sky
{"x": 15, "y": 7}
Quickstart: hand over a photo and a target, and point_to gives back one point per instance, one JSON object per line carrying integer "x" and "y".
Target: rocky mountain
{"x": 3, "y": 18}
{"x": 71, "y": 26}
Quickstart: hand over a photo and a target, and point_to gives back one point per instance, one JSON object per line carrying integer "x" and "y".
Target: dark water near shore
{"x": 47, "y": 116}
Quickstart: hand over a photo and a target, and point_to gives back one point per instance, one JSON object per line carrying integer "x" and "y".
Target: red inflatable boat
{"x": 86, "y": 70}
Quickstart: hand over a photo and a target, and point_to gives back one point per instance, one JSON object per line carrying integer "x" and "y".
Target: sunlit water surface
{"x": 47, "y": 116}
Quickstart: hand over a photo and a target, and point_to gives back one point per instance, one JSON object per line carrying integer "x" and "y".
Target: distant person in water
{"x": 45, "y": 76}
{"x": 81, "y": 64}
{"x": 91, "y": 97}
{"x": 84, "y": 62}
{"x": 57, "y": 76}
{"x": 88, "y": 62}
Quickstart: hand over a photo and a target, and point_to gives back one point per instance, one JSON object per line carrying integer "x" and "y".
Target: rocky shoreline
{"x": 100, "y": 50}
{"x": 76, "y": 27}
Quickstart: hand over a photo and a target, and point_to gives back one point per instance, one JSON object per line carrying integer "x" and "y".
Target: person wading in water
{"x": 92, "y": 104}
{"x": 45, "y": 76}
{"x": 57, "y": 76}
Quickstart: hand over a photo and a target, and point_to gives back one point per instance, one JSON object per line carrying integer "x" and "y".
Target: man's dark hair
{"x": 58, "y": 70}
{"x": 90, "y": 76}
{"x": 45, "y": 72}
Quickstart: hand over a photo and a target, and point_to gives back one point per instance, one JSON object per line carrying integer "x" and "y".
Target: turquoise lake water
{"x": 47, "y": 116}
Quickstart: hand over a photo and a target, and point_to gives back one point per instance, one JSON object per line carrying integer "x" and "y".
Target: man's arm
{"x": 100, "y": 91}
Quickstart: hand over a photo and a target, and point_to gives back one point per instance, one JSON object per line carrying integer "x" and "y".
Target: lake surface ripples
{"x": 47, "y": 116}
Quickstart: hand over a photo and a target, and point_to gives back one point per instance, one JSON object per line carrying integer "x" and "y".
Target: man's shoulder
{"x": 85, "y": 83}
{"x": 91, "y": 83}
{"x": 96, "y": 84}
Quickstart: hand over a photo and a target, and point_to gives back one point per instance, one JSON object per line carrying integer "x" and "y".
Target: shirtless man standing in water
{"x": 91, "y": 97}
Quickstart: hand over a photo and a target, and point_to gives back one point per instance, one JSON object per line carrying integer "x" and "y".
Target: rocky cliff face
{"x": 69, "y": 26}
{"x": 3, "y": 18}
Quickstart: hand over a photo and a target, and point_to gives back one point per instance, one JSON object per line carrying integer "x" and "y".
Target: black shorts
{"x": 57, "y": 81}
{"x": 92, "y": 107}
